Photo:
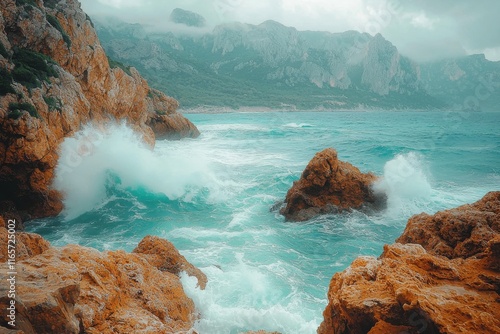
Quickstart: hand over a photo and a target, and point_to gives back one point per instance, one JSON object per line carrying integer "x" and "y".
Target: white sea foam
{"x": 298, "y": 125}
{"x": 93, "y": 158}
{"x": 406, "y": 184}
{"x": 243, "y": 298}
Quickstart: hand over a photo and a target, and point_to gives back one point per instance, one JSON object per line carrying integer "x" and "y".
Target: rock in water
{"x": 329, "y": 185}
{"x": 172, "y": 127}
{"x": 163, "y": 255}
{"x": 75, "y": 289}
{"x": 412, "y": 288}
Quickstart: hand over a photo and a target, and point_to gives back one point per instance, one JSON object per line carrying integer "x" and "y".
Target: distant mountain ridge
{"x": 274, "y": 66}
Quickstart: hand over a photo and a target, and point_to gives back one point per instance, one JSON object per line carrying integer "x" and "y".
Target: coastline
{"x": 228, "y": 110}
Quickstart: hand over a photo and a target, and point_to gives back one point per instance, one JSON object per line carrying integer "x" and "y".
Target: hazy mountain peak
{"x": 188, "y": 18}
{"x": 272, "y": 23}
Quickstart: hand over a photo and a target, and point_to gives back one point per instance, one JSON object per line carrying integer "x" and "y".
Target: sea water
{"x": 212, "y": 196}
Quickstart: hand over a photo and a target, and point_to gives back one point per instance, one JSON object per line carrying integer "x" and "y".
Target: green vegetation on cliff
{"x": 5, "y": 82}
{"x": 116, "y": 64}
{"x": 56, "y": 24}
{"x": 3, "y": 51}
{"x": 16, "y": 109}
{"x": 32, "y": 68}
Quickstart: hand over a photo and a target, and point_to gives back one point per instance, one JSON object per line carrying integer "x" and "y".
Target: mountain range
{"x": 270, "y": 65}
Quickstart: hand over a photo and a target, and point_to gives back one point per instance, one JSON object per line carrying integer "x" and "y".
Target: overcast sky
{"x": 423, "y": 30}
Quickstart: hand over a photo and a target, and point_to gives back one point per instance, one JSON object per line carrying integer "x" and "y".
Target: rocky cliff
{"x": 271, "y": 65}
{"x": 329, "y": 185}
{"x": 56, "y": 77}
{"x": 442, "y": 276}
{"x": 80, "y": 290}
{"x": 468, "y": 83}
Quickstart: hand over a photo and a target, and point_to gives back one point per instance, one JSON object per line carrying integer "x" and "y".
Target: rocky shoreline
{"x": 441, "y": 276}
{"x": 74, "y": 289}
{"x": 56, "y": 78}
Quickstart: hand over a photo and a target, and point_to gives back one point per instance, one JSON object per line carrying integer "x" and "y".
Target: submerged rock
{"x": 413, "y": 288}
{"x": 329, "y": 185}
{"x": 75, "y": 289}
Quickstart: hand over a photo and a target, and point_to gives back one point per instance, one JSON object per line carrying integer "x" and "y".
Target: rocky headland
{"x": 55, "y": 77}
{"x": 329, "y": 185}
{"x": 441, "y": 276}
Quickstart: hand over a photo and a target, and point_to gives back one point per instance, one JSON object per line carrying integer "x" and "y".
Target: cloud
{"x": 120, "y": 3}
{"x": 421, "y": 21}
{"x": 423, "y": 30}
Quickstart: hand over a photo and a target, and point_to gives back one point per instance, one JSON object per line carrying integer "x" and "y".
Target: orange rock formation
{"x": 447, "y": 283}
{"x": 77, "y": 87}
{"x": 75, "y": 289}
{"x": 328, "y": 185}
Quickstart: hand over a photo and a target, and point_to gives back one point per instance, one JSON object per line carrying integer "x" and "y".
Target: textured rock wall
{"x": 76, "y": 289}
{"x": 443, "y": 276}
{"x": 83, "y": 89}
{"x": 329, "y": 185}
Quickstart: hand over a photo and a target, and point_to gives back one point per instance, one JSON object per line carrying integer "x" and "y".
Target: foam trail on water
{"x": 245, "y": 298}
{"x": 93, "y": 158}
{"x": 406, "y": 184}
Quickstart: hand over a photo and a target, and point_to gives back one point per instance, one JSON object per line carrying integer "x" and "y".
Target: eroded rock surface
{"x": 329, "y": 185}
{"x": 55, "y": 77}
{"x": 75, "y": 289}
{"x": 413, "y": 288}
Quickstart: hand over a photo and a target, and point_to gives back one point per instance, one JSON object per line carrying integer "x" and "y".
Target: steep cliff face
{"x": 55, "y": 78}
{"x": 80, "y": 290}
{"x": 443, "y": 276}
{"x": 271, "y": 65}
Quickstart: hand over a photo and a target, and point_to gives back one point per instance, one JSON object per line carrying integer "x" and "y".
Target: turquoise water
{"x": 212, "y": 196}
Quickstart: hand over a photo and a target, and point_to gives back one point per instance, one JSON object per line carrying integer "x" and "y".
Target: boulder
{"x": 163, "y": 255}
{"x": 172, "y": 127}
{"x": 329, "y": 185}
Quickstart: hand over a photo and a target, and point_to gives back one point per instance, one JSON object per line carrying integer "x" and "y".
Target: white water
{"x": 211, "y": 198}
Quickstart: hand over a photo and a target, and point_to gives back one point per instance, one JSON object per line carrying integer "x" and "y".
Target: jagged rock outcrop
{"x": 55, "y": 77}
{"x": 75, "y": 289}
{"x": 457, "y": 233}
{"x": 329, "y": 185}
{"x": 413, "y": 288}
{"x": 163, "y": 255}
